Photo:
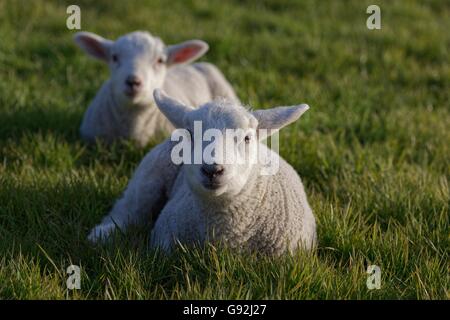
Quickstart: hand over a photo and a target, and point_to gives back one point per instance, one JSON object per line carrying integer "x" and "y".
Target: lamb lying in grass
{"x": 124, "y": 107}
{"x": 241, "y": 204}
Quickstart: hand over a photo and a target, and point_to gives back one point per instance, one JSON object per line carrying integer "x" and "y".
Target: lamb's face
{"x": 223, "y": 148}
{"x": 138, "y": 66}
{"x": 138, "y": 62}
{"x": 219, "y": 141}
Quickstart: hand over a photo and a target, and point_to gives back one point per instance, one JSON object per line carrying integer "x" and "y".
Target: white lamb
{"x": 124, "y": 107}
{"x": 236, "y": 203}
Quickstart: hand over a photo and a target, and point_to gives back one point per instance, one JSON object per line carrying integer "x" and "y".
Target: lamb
{"x": 139, "y": 62}
{"x": 241, "y": 203}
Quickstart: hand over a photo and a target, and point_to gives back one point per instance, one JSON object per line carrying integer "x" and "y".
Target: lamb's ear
{"x": 186, "y": 52}
{"x": 272, "y": 120}
{"x": 174, "y": 111}
{"x": 93, "y": 45}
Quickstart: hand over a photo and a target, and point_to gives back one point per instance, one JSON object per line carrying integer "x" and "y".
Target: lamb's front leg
{"x": 138, "y": 204}
{"x": 145, "y": 195}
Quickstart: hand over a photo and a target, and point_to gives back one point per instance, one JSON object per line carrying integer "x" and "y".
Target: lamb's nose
{"x": 133, "y": 82}
{"x": 212, "y": 170}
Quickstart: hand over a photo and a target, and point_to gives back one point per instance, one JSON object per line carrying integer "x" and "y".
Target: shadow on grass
{"x": 51, "y": 138}
{"x": 63, "y": 123}
{"x": 57, "y": 217}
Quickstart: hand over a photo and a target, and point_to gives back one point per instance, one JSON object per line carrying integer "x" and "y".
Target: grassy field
{"x": 373, "y": 151}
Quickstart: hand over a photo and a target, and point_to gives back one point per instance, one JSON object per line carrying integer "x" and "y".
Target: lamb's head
{"x": 223, "y": 141}
{"x": 138, "y": 62}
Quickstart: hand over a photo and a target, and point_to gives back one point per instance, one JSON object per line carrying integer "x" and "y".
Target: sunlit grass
{"x": 373, "y": 151}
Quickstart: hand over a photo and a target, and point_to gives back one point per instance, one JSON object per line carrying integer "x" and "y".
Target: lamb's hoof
{"x": 101, "y": 232}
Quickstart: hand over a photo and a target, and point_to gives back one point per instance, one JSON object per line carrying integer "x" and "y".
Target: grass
{"x": 373, "y": 151}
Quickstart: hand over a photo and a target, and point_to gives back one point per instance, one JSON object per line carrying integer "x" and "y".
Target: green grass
{"x": 373, "y": 151}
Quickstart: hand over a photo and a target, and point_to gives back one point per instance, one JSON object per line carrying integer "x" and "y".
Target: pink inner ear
{"x": 185, "y": 54}
{"x": 94, "y": 47}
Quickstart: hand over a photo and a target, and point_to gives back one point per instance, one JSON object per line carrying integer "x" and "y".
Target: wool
{"x": 271, "y": 215}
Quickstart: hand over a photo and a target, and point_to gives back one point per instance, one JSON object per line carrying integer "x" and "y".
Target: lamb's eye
{"x": 247, "y": 139}
{"x": 115, "y": 58}
{"x": 160, "y": 60}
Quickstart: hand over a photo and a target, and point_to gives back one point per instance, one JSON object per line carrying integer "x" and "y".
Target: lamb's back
{"x": 187, "y": 85}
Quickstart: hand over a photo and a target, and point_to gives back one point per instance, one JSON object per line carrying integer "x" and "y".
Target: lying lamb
{"x": 235, "y": 203}
{"x": 124, "y": 107}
